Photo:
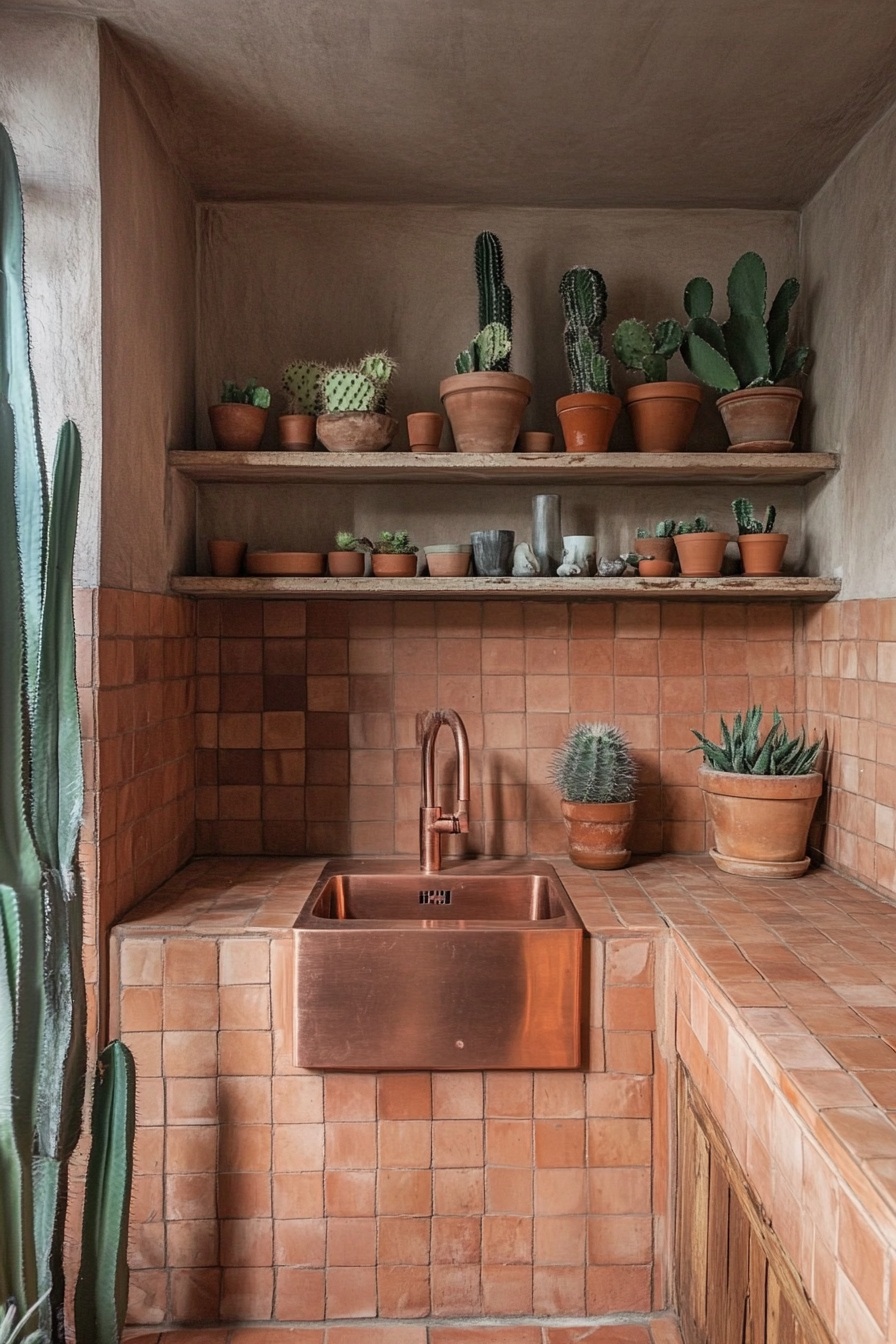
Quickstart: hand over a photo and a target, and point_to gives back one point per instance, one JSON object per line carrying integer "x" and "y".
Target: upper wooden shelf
{"x": 511, "y": 468}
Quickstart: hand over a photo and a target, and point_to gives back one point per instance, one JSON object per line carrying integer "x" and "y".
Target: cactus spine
{"x": 645, "y": 351}
{"x": 42, "y": 999}
{"x": 584, "y": 297}
{"x": 489, "y": 351}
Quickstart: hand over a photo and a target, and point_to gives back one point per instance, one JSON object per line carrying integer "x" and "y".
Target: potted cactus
{"x": 662, "y": 412}
{"x": 748, "y": 357}
{"x": 661, "y": 538}
{"x": 700, "y": 550}
{"x": 761, "y": 547}
{"x": 483, "y": 400}
{"x": 303, "y": 385}
{"x": 347, "y": 561}
{"x": 760, "y": 794}
{"x": 240, "y": 416}
{"x": 596, "y": 776}
{"x": 355, "y": 417}
{"x": 394, "y": 557}
{"x": 588, "y": 414}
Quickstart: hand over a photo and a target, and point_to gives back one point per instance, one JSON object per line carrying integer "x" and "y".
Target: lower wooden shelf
{"x": 738, "y": 588}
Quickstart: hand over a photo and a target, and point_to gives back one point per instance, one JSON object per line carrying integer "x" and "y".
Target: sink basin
{"x": 478, "y": 966}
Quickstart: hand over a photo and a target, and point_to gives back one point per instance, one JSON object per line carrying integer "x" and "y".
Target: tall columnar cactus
{"x": 645, "y": 351}
{"x": 303, "y": 384}
{"x": 749, "y": 350}
{"x": 584, "y": 297}
{"x": 42, "y": 999}
{"x": 747, "y": 523}
{"x": 489, "y": 351}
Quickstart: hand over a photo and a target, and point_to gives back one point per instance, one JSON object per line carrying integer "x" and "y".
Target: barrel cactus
{"x": 645, "y": 351}
{"x": 489, "y": 351}
{"x": 595, "y": 765}
{"x": 584, "y": 297}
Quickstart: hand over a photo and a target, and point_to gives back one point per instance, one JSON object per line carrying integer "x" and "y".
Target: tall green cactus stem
{"x": 645, "y": 351}
{"x": 42, "y": 998}
{"x": 101, "y": 1295}
{"x": 303, "y": 384}
{"x": 747, "y": 523}
{"x": 584, "y": 297}
{"x": 495, "y": 299}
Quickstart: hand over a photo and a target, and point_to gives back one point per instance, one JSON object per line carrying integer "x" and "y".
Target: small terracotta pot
{"x": 761, "y": 822}
{"x": 655, "y": 569}
{"x": 285, "y": 563}
{"x": 599, "y": 833}
{"x": 587, "y": 420}
{"x": 534, "y": 441}
{"x": 356, "y": 431}
{"x": 760, "y": 419}
{"x": 226, "y": 557}
{"x": 394, "y": 566}
{"x": 296, "y": 432}
{"x": 663, "y": 415}
{"x": 700, "y": 554}
{"x": 485, "y": 410}
{"x": 425, "y": 431}
{"x": 345, "y": 564}
{"x": 661, "y": 548}
{"x": 449, "y": 564}
{"x": 762, "y": 552}
{"x": 237, "y": 428}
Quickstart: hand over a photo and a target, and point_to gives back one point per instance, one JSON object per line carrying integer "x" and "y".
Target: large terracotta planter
{"x": 700, "y": 554}
{"x": 485, "y": 410}
{"x": 356, "y": 431}
{"x": 599, "y": 833}
{"x": 236, "y": 427}
{"x": 761, "y": 822}
{"x": 762, "y": 552}
{"x": 296, "y": 432}
{"x": 587, "y": 420}
{"x": 394, "y": 566}
{"x": 760, "y": 419}
{"x": 345, "y": 564}
{"x": 662, "y": 415}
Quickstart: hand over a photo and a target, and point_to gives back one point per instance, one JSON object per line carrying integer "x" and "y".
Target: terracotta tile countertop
{"x": 805, "y": 969}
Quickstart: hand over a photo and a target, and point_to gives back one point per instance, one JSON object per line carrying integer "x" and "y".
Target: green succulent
{"x": 250, "y": 395}
{"x": 486, "y": 352}
{"x": 394, "y": 543}
{"x": 595, "y": 765}
{"x": 699, "y": 524}
{"x": 358, "y": 387}
{"x": 584, "y": 297}
{"x": 645, "y": 351}
{"x": 665, "y": 528}
{"x": 747, "y": 524}
{"x": 743, "y": 752}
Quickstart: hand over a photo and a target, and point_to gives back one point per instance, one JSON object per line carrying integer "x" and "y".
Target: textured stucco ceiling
{"x": 518, "y": 102}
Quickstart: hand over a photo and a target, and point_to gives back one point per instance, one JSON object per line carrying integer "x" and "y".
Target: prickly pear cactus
{"x": 348, "y": 389}
{"x": 303, "y": 383}
{"x": 646, "y": 351}
{"x": 487, "y": 352}
{"x": 378, "y": 367}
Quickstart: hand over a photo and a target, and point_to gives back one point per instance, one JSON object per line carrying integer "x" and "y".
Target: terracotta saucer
{"x": 758, "y": 868}
{"x": 763, "y": 446}
{"x": 285, "y": 563}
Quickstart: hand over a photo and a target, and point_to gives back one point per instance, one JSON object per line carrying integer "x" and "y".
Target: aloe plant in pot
{"x": 484, "y": 401}
{"x": 662, "y": 411}
{"x": 760, "y": 793}
{"x": 596, "y": 776}
{"x": 588, "y": 414}
{"x": 43, "y": 1039}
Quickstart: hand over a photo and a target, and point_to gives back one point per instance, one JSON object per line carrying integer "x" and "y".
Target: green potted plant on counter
{"x": 483, "y": 400}
{"x": 760, "y": 794}
{"x": 661, "y": 538}
{"x": 700, "y": 550}
{"x": 662, "y": 411}
{"x": 240, "y": 416}
{"x": 347, "y": 561}
{"x": 761, "y": 547}
{"x": 394, "y": 557}
{"x": 588, "y": 414}
{"x": 596, "y": 776}
{"x": 355, "y": 416}
{"x": 747, "y": 358}
{"x": 303, "y": 385}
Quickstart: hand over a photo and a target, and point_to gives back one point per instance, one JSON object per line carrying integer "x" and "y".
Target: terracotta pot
{"x": 700, "y": 553}
{"x": 655, "y": 569}
{"x": 237, "y": 428}
{"x": 449, "y": 564}
{"x": 534, "y": 441}
{"x": 356, "y": 431}
{"x": 425, "y": 431}
{"x": 226, "y": 557}
{"x": 761, "y": 822}
{"x": 663, "y": 415}
{"x": 760, "y": 419}
{"x": 762, "y": 552}
{"x": 296, "y": 432}
{"x": 394, "y": 566}
{"x": 599, "y": 833}
{"x": 587, "y": 420}
{"x": 285, "y": 563}
{"x": 661, "y": 548}
{"x": 485, "y": 409}
{"x": 345, "y": 564}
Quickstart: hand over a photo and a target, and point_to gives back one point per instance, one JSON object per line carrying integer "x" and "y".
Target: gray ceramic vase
{"x": 492, "y": 552}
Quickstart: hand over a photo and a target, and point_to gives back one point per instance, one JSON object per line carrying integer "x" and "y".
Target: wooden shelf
{"x": 510, "y": 468}
{"x": 782, "y": 588}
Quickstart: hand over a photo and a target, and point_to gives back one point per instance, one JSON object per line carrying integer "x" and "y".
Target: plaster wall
{"x": 148, "y": 287}
{"x": 849, "y": 270}
{"x": 49, "y": 100}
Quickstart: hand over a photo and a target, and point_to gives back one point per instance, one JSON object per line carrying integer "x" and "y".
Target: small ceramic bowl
{"x": 285, "y": 563}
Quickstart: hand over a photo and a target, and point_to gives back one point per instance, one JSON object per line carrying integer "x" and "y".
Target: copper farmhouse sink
{"x": 478, "y": 966}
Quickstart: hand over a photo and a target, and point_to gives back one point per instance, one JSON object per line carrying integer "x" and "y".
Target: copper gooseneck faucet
{"x": 432, "y": 824}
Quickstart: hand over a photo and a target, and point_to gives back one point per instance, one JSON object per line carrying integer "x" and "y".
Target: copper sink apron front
{"x": 478, "y": 966}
